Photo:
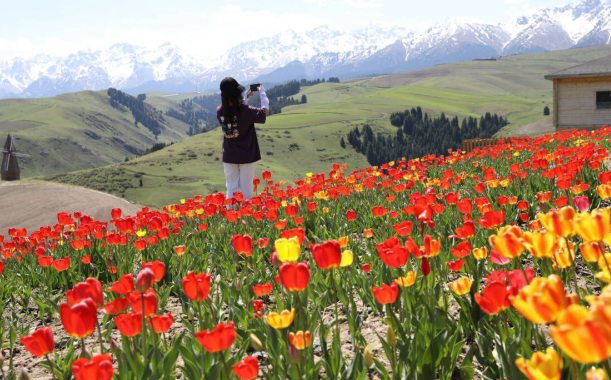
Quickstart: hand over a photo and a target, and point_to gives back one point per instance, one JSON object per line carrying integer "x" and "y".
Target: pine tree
{"x": 546, "y": 111}
{"x": 304, "y": 99}
{"x": 342, "y": 143}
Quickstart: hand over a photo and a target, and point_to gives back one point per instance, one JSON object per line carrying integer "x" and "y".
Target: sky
{"x": 208, "y": 28}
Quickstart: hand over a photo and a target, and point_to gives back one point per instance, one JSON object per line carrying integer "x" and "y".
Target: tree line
{"x": 143, "y": 113}
{"x": 190, "y": 112}
{"x": 419, "y": 135}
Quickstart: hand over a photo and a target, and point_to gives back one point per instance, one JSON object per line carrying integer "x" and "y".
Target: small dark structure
{"x": 470, "y": 145}
{"x": 9, "y": 171}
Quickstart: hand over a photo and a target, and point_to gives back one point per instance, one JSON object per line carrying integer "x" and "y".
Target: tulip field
{"x": 492, "y": 264}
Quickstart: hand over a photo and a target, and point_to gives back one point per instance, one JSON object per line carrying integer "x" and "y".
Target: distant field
{"x": 512, "y": 86}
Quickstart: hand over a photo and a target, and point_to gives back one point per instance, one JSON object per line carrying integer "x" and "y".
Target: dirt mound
{"x": 32, "y": 205}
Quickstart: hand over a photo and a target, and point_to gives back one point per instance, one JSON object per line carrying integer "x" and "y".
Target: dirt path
{"x": 540, "y": 127}
{"x": 32, "y": 205}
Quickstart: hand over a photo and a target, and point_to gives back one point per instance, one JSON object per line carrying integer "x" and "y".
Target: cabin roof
{"x": 597, "y": 68}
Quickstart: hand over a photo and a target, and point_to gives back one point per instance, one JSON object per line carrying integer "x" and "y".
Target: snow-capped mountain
{"x": 322, "y": 51}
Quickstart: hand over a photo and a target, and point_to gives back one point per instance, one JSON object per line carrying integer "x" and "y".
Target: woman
{"x": 240, "y": 145}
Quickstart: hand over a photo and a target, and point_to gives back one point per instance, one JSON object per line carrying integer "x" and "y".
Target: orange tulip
{"x": 540, "y": 244}
{"x": 300, "y": 339}
{"x": 604, "y": 262}
{"x": 594, "y": 226}
{"x": 542, "y": 300}
{"x": 590, "y": 251}
{"x": 247, "y": 369}
{"x": 604, "y": 191}
{"x": 386, "y": 294}
{"x": 542, "y": 365}
{"x": 559, "y": 222}
{"x": 596, "y": 374}
{"x": 508, "y": 242}
{"x": 461, "y": 286}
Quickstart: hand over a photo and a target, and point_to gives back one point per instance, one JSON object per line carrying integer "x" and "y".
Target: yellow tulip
{"x": 565, "y": 256}
{"x": 542, "y": 300}
{"x": 604, "y": 263}
{"x": 480, "y": 253}
{"x": 347, "y": 258}
{"x": 282, "y": 320}
{"x": 288, "y": 249}
{"x": 407, "y": 281}
{"x": 540, "y": 244}
{"x": 559, "y": 222}
{"x": 604, "y": 191}
{"x": 593, "y": 226}
{"x": 461, "y": 286}
{"x": 141, "y": 233}
{"x": 542, "y": 365}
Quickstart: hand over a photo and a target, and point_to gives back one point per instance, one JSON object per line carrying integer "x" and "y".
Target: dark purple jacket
{"x": 240, "y": 144}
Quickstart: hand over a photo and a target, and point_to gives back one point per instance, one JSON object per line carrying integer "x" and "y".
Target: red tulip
{"x": 196, "y": 287}
{"x": 145, "y": 280}
{"x": 466, "y": 231}
{"x": 92, "y": 288}
{"x": 298, "y": 232}
{"x": 294, "y": 276}
{"x": 395, "y": 257}
{"x": 350, "y": 215}
{"x": 61, "y": 264}
{"x": 140, "y": 245}
{"x": 43, "y": 261}
{"x": 379, "y": 211}
{"x": 150, "y": 302}
{"x": 40, "y": 342}
{"x": 494, "y": 299}
{"x": 219, "y": 339}
{"x": 79, "y": 320}
{"x": 404, "y": 228}
{"x": 455, "y": 265}
{"x": 327, "y": 255}
{"x": 247, "y": 369}
{"x": 262, "y": 290}
{"x": 129, "y": 324}
{"x": 262, "y": 243}
{"x": 366, "y": 268}
{"x": 98, "y": 368}
{"x": 463, "y": 249}
{"x": 116, "y": 306}
{"x": 161, "y": 323}
{"x": 124, "y": 286}
{"x": 242, "y": 244}
{"x": 386, "y": 294}
{"x": 158, "y": 268}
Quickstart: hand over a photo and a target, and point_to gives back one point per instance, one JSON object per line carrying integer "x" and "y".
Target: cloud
{"x": 365, "y": 4}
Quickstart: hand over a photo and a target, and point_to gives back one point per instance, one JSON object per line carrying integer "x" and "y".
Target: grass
{"x": 76, "y": 131}
{"x": 512, "y": 86}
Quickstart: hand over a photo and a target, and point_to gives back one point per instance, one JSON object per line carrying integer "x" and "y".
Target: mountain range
{"x": 320, "y": 52}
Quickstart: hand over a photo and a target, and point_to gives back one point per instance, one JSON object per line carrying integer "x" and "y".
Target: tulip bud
{"x": 391, "y": 339}
{"x": 114, "y": 347}
{"x": 1, "y": 360}
{"x": 294, "y": 354}
{"x": 275, "y": 260}
{"x": 145, "y": 280}
{"x": 368, "y": 357}
{"x": 238, "y": 285}
{"x": 190, "y": 314}
{"x": 24, "y": 375}
{"x": 255, "y": 342}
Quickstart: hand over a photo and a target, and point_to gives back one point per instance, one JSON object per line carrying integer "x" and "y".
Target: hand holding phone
{"x": 255, "y": 87}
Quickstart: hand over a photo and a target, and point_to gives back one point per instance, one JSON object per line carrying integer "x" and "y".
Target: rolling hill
{"x": 306, "y": 137}
{"x": 77, "y": 131}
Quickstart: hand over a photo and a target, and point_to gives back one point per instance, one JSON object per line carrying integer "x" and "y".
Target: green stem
{"x": 143, "y": 329}
{"x": 51, "y": 366}
{"x": 574, "y": 370}
{"x": 337, "y": 331}
{"x": 97, "y": 323}
{"x": 225, "y": 365}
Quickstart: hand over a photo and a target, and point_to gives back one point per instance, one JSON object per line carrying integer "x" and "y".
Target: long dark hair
{"x": 231, "y": 98}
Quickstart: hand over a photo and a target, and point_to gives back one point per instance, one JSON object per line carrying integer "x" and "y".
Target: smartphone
{"x": 255, "y": 87}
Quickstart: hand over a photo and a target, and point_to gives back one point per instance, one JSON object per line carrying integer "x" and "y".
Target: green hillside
{"x": 77, "y": 131}
{"x": 305, "y": 138}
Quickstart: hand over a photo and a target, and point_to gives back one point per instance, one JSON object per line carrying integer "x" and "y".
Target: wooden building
{"x": 582, "y": 95}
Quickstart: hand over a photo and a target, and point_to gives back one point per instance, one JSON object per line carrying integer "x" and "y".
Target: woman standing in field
{"x": 240, "y": 144}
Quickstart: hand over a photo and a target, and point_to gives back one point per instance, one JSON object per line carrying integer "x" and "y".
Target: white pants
{"x": 239, "y": 177}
